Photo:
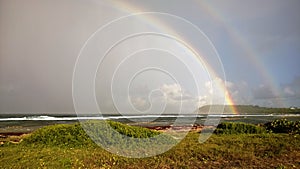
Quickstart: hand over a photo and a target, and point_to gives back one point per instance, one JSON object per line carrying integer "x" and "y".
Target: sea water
{"x": 23, "y": 123}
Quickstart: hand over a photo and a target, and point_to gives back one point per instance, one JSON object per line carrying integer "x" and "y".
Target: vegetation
{"x": 283, "y": 126}
{"x": 117, "y": 137}
{"x": 67, "y": 146}
{"x": 73, "y": 135}
{"x": 238, "y": 128}
{"x": 249, "y": 109}
{"x": 133, "y": 131}
{"x": 70, "y": 135}
{"x": 220, "y": 151}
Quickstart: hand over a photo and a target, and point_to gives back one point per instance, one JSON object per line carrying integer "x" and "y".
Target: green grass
{"x": 68, "y": 135}
{"x": 239, "y": 128}
{"x": 283, "y": 126}
{"x": 131, "y": 141}
{"x": 41, "y": 150}
{"x": 228, "y": 151}
{"x": 73, "y": 135}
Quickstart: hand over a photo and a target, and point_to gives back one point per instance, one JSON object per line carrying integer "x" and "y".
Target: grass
{"x": 265, "y": 150}
{"x": 239, "y": 128}
{"x": 283, "y": 126}
{"x": 119, "y": 138}
{"x": 73, "y": 135}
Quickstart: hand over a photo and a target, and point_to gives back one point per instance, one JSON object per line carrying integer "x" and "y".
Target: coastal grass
{"x": 262, "y": 150}
{"x": 117, "y": 137}
{"x": 239, "y": 128}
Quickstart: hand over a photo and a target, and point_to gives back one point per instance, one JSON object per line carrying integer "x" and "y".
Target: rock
{"x": 3, "y": 136}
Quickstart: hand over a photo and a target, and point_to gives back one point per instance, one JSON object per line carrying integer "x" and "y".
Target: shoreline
{"x": 16, "y": 136}
{"x": 194, "y": 127}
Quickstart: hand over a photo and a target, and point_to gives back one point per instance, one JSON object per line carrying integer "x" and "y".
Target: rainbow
{"x": 252, "y": 55}
{"x": 215, "y": 14}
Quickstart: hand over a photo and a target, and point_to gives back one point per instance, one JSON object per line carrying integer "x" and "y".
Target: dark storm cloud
{"x": 264, "y": 92}
{"x": 39, "y": 43}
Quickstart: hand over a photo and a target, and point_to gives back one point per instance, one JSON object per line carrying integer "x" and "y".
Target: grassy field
{"x": 265, "y": 150}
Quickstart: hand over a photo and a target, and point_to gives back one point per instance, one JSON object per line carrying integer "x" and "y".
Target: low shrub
{"x": 283, "y": 126}
{"x": 105, "y": 132}
{"x": 133, "y": 131}
{"x": 238, "y": 128}
{"x": 59, "y": 135}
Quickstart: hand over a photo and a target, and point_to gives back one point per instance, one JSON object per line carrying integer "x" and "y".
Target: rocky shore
{"x": 195, "y": 127}
{"x": 15, "y": 136}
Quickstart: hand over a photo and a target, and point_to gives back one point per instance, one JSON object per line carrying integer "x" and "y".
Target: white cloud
{"x": 293, "y": 89}
{"x": 288, "y": 91}
{"x": 174, "y": 96}
{"x": 202, "y": 101}
{"x": 169, "y": 98}
{"x": 239, "y": 92}
{"x": 172, "y": 91}
{"x": 140, "y": 103}
{"x": 264, "y": 92}
{"x": 285, "y": 95}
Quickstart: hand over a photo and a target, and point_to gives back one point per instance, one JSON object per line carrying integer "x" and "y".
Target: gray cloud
{"x": 40, "y": 41}
{"x": 239, "y": 92}
{"x": 285, "y": 95}
{"x": 264, "y": 92}
{"x": 292, "y": 90}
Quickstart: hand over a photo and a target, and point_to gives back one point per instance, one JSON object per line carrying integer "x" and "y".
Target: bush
{"x": 99, "y": 131}
{"x": 133, "y": 131}
{"x": 238, "y": 128}
{"x": 283, "y": 126}
{"x": 124, "y": 137}
{"x": 113, "y": 136}
{"x": 59, "y": 135}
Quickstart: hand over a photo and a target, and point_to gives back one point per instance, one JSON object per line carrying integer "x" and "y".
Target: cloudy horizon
{"x": 257, "y": 42}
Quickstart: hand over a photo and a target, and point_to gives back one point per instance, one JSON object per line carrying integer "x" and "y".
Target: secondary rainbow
{"x": 131, "y": 9}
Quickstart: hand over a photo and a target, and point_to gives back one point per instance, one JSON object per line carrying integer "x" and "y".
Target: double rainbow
{"x": 220, "y": 17}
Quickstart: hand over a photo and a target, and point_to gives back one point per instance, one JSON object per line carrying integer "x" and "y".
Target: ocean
{"x": 26, "y": 123}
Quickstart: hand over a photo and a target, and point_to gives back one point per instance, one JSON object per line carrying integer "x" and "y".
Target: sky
{"x": 197, "y": 53}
